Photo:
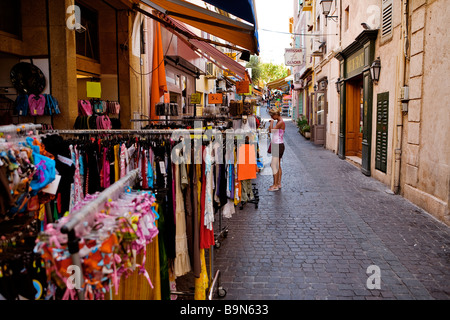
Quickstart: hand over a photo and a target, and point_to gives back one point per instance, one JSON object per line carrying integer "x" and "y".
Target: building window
{"x": 142, "y": 38}
{"x": 10, "y": 18}
{"x": 87, "y": 42}
{"x": 346, "y": 18}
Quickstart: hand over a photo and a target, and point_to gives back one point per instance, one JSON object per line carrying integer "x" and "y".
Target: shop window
{"x": 346, "y": 18}
{"x": 87, "y": 42}
{"x": 10, "y": 18}
{"x": 142, "y": 38}
{"x": 184, "y": 94}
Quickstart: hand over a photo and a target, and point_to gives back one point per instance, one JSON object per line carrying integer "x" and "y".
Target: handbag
{"x": 270, "y": 148}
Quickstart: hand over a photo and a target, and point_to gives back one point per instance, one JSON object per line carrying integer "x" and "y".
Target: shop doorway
{"x": 319, "y": 117}
{"x": 354, "y": 117}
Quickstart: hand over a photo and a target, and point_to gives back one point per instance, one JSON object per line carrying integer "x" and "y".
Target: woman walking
{"x": 277, "y": 146}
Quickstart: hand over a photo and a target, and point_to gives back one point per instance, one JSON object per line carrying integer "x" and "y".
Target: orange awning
{"x": 239, "y": 33}
{"x": 159, "y": 84}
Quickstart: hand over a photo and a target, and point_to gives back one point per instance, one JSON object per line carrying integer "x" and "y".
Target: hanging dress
{"x": 182, "y": 264}
{"x": 206, "y": 235}
{"x": 209, "y": 196}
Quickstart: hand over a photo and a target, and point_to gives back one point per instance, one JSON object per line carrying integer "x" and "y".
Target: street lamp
{"x": 326, "y": 8}
{"x": 338, "y": 85}
{"x": 375, "y": 70}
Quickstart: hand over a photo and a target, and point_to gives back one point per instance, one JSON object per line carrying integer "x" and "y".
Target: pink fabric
{"x": 277, "y": 136}
{"x": 36, "y": 104}
{"x": 84, "y": 108}
{"x": 123, "y": 166}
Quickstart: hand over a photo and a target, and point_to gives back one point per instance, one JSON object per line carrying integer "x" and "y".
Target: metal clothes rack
{"x": 223, "y": 231}
{"x": 112, "y": 192}
{"x": 20, "y": 128}
{"x": 124, "y": 131}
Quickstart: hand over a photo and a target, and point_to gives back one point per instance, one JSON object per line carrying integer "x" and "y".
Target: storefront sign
{"x": 232, "y": 55}
{"x": 93, "y": 89}
{"x": 196, "y": 98}
{"x": 242, "y": 87}
{"x": 355, "y": 64}
{"x": 215, "y": 98}
{"x": 293, "y": 57}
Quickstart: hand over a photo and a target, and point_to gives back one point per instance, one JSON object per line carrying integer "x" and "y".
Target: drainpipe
{"x": 398, "y": 110}
{"x": 340, "y": 23}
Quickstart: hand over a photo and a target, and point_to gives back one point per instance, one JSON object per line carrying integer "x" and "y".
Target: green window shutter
{"x": 382, "y": 131}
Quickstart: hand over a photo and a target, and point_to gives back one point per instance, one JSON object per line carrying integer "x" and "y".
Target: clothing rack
{"x": 16, "y": 128}
{"x": 68, "y": 228}
{"x": 111, "y": 192}
{"x": 123, "y": 131}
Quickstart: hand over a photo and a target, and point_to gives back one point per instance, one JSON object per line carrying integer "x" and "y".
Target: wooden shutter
{"x": 382, "y": 131}
{"x": 386, "y": 20}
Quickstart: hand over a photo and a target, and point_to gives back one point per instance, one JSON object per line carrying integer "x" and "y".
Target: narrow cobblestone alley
{"x": 317, "y": 236}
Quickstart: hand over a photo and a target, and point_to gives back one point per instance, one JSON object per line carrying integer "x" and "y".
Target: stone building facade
{"x": 395, "y": 129}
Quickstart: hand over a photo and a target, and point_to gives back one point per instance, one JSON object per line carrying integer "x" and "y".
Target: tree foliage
{"x": 264, "y": 73}
{"x": 271, "y": 72}
{"x": 255, "y": 65}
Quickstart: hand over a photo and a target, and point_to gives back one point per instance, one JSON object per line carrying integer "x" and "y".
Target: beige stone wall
{"x": 426, "y": 170}
{"x": 390, "y": 81}
{"x": 359, "y": 12}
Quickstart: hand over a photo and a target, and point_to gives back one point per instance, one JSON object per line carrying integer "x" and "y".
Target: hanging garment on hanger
{"x": 247, "y": 162}
{"x": 209, "y": 205}
{"x": 196, "y": 191}
{"x": 201, "y": 283}
{"x": 78, "y": 187}
{"x": 206, "y": 235}
{"x": 182, "y": 264}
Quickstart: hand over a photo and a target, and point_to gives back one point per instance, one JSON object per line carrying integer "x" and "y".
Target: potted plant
{"x": 307, "y": 131}
{"x": 301, "y": 122}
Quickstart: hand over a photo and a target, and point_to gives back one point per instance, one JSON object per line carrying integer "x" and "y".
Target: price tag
{"x": 52, "y": 187}
{"x": 215, "y": 98}
{"x": 162, "y": 166}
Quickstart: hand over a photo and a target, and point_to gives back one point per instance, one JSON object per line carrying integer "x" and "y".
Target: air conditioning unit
{"x": 210, "y": 70}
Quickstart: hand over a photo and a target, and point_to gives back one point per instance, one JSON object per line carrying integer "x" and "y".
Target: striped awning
{"x": 234, "y": 31}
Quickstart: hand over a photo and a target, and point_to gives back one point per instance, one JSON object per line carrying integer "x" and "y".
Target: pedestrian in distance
{"x": 277, "y": 146}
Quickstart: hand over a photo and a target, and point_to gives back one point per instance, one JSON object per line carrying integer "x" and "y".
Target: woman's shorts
{"x": 280, "y": 150}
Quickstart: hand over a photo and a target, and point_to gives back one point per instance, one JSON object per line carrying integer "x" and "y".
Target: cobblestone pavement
{"x": 316, "y": 237}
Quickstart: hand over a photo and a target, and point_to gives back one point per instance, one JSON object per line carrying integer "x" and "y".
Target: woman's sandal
{"x": 272, "y": 188}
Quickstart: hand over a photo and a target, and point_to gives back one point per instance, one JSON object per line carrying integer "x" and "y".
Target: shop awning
{"x": 223, "y": 61}
{"x": 220, "y": 58}
{"x": 239, "y": 33}
{"x": 244, "y": 9}
{"x": 277, "y": 83}
{"x": 257, "y": 91}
